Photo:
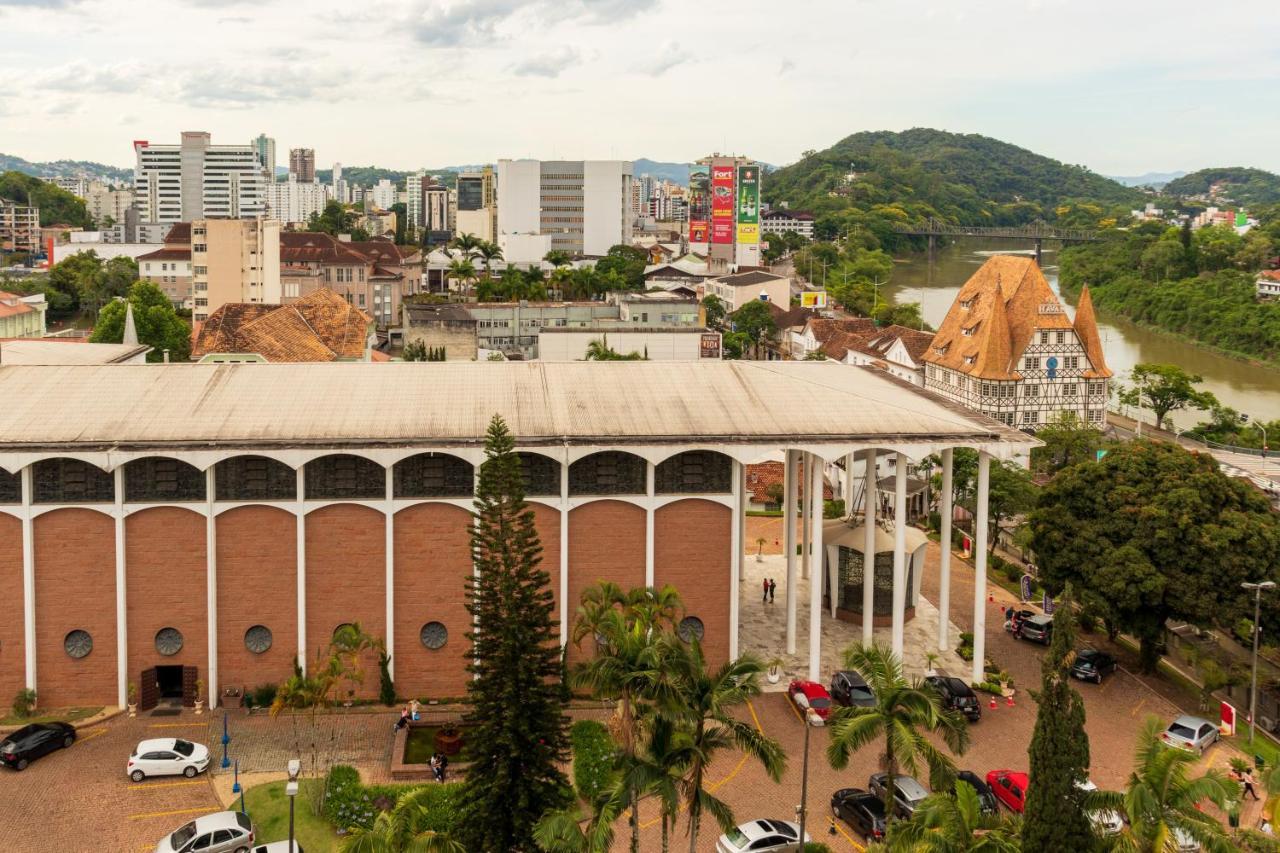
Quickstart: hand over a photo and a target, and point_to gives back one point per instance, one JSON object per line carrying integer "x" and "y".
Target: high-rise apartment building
{"x": 384, "y": 194}
{"x": 266, "y": 148}
{"x": 302, "y": 164}
{"x": 103, "y": 204}
{"x": 582, "y": 207}
{"x": 477, "y": 208}
{"x": 234, "y": 260}
{"x": 196, "y": 180}
{"x": 19, "y": 227}
{"x": 437, "y": 220}
{"x": 291, "y": 201}
{"x": 413, "y": 185}
{"x": 724, "y": 210}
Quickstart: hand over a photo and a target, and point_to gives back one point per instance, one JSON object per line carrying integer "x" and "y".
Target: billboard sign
{"x": 710, "y": 345}
{"x": 748, "y": 233}
{"x": 813, "y": 298}
{"x": 721, "y": 231}
{"x": 722, "y": 204}
{"x": 748, "y": 212}
{"x": 698, "y": 230}
{"x": 699, "y": 193}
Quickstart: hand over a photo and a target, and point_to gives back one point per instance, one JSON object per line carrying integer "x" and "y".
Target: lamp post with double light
{"x": 811, "y": 720}
{"x": 291, "y": 789}
{"x": 1257, "y": 589}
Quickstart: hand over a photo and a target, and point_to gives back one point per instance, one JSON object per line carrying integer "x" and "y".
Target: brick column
{"x": 648, "y": 523}
{"x": 389, "y": 510}
{"x": 565, "y": 630}
{"x": 211, "y": 585}
{"x": 300, "y": 510}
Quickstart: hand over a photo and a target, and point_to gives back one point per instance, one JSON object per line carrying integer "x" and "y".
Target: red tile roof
{"x": 321, "y": 326}
{"x": 764, "y": 474}
{"x": 167, "y": 254}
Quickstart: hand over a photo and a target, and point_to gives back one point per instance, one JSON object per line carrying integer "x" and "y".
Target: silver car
{"x": 1191, "y": 733}
{"x": 907, "y": 792}
{"x": 220, "y": 832}
{"x": 763, "y": 835}
{"x": 1105, "y": 821}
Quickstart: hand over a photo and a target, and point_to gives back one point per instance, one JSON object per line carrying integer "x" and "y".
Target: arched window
{"x": 541, "y": 474}
{"x": 158, "y": 479}
{"x": 10, "y": 487}
{"x": 434, "y": 475}
{"x": 694, "y": 472}
{"x": 608, "y": 473}
{"x": 343, "y": 476}
{"x": 72, "y": 481}
{"x": 254, "y": 478}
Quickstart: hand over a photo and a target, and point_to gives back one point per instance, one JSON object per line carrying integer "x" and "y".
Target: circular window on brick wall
{"x": 78, "y": 644}
{"x": 690, "y": 629}
{"x": 168, "y": 641}
{"x": 434, "y": 635}
{"x": 257, "y": 639}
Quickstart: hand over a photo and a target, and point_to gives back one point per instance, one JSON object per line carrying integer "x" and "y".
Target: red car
{"x": 1010, "y": 788}
{"x": 811, "y": 694}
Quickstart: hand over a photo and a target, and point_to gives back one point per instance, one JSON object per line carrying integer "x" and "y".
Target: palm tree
{"x": 659, "y": 767}
{"x": 557, "y": 258}
{"x": 953, "y": 824}
{"x": 564, "y": 832}
{"x": 702, "y": 702}
{"x": 488, "y": 252}
{"x": 466, "y": 244}
{"x": 463, "y": 270}
{"x": 400, "y": 830}
{"x": 903, "y": 712}
{"x": 1162, "y": 801}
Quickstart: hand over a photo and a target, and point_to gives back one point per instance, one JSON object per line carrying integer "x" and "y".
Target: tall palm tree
{"x": 565, "y": 831}
{"x": 659, "y": 768}
{"x": 557, "y": 258}
{"x": 488, "y": 252}
{"x": 400, "y": 830}
{"x": 465, "y": 244}
{"x": 703, "y": 702}
{"x": 461, "y": 269}
{"x": 1162, "y": 800}
{"x": 953, "y": 824}
{"x": 903, "y": 713}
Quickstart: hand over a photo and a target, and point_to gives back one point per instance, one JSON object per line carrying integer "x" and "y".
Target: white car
{"x": 167, "y": 757}
{"x": 761, "y": 835}
{"x": 1107, "y": 822}
{"x": 220, "y": 832}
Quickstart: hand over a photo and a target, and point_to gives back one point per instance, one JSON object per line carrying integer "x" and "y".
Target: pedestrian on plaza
{"x": 1247, "y": 778}
{"x": 439, "y": 762}
{"x": 434, "y": 764}
{"x": 403, "y": 721}
{"x": 773, "y": 585}
{"x": 765, "y": 598}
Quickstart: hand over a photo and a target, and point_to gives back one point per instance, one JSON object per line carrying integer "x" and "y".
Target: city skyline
{"x": 497, "y": 78}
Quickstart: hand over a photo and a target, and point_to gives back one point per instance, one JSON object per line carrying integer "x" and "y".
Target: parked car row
{"x": 849, "y": 689}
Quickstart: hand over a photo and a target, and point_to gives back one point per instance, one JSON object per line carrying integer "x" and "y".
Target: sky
{"x": 1121, "y": 87}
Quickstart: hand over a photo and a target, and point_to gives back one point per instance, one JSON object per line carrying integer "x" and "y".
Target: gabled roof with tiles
{"x": 322, "y": 326}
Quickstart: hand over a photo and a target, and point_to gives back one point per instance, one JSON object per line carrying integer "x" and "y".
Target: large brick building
{"x": 161, "y": 524}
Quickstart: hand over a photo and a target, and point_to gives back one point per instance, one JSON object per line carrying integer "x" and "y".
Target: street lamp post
{"x": 1257, "y": 589}
{"x": 810, "y": 720}
{"x": 291, "y": 789}
{"x": 1259, "y": 425}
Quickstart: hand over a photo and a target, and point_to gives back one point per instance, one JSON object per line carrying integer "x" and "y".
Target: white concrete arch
{"x": 399, "y": 504}
{"x": 378, "y": 505}
{"x": 473, "y": 455}
{"x": 721, "y": 498}
{"x": 287, "y": 505}
{"x": 107, "y": 509}
{"x": 199, "y": 508}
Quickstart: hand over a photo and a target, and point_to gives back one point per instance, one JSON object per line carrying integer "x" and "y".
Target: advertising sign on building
{"x": 710, "y": 345}
{"x": 813, "y": 298}
{"x": 722, "y": 204}
{"x": 698, "y": 230}
{"x": 748, "y": 207}
{"x": 721, "y": 231}
{"x": 699, "y": 204}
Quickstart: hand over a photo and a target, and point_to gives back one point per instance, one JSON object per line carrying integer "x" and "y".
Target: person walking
{"x": 1247, "y": 778}
{"x": 773, "y": 585}
{"x": 765, "y": 598}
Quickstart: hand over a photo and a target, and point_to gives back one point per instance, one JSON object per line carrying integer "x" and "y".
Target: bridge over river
{"x": 1036, "y": 232}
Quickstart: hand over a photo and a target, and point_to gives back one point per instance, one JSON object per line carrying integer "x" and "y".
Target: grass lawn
{"x": 66, "y": 715}
{"x": 269, "y": 808}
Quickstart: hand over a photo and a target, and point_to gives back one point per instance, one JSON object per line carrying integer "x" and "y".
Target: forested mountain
{"x": 65, "y": 169}
{"x": 57, "y": 206}
{"x": 1239, "y": 184}
{"x": 962, "y": 178}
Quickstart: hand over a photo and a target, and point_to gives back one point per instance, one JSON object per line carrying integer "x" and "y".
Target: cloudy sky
{"x": 1122, "y": 87}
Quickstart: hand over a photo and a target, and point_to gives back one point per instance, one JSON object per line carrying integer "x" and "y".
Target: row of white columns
{"x": 811, "y": 558}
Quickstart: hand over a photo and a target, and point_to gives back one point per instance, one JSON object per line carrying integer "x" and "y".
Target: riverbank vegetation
{"x": 1199, "y": 284}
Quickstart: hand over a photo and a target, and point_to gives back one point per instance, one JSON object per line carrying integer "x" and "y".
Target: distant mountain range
{"x": 65, "y": 169}
{"x": 1150, "y": 179}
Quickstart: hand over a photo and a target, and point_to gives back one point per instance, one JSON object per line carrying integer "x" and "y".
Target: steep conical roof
{"x": 130, "y": 330}
{"x": 995, "y": 349}
{"x": 1086, "y": 326}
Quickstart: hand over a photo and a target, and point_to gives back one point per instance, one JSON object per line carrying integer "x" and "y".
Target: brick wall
{"x": 165, "y": 574}
{"x": 257, "y": 585}
{"x": 13, "y": 664}
{"x": 547, "y": 522}
{"x": 75, "y": 589}
{"x": 346, "y": 581}
{"x": 692, "y": 551}
{"x": 606, "y": 542}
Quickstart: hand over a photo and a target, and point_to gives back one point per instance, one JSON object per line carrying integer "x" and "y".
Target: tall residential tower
{"x": 197, "y": 180}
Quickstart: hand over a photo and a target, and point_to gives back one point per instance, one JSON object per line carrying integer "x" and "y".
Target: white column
{"x": 869, "y": 498}
{"x": 944, "y": 563}
{"x": 735, "y": 579}
{"x": 980, "y": 567}
{"x": 565, "y": 628}
{"x": 789, "y": 543}
{"x": 899, "y": 553}
{"x": 813, "y": 468}
{"x": 122, "y": 626}
{"x": 28, "y": 577}
{"x": 300, "y": 508}
{"x": 848, "y": 483}
{"x": 390, "y": 549}
{"x": 211, "y": 586}
{"x": 806, "y": 512}
{"x": 648, "y": 524}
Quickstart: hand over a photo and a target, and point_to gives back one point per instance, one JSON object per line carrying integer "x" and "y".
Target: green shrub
{"x": 264, "y": 695}
{"x": 935, "y": 520}
{"x": 815, "y": 847}
{"x": 24, "y": 703}
{"x": 833, "y": 509}
{"x": 350, "y": 803}
{"x": 988, "y": 687}
{"x": 965, "y": 649}
{"x": 386, "y": 687}
{"x": 594, "y": 757}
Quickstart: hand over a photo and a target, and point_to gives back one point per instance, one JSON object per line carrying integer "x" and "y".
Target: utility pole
{"x": 1257, "y": 589}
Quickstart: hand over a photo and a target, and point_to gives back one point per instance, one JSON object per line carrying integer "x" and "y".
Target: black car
{"x": 1091, "y": 665}
{"x": 850, "y": 688}
{"x": 986, "y": 799}
{"x": 28, "y": 743}
{"x": 956, "y": 696}
{"x": 860, "y": 809}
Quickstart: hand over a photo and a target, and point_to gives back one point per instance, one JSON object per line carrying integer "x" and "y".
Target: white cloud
{"x": 670, "y": 56}
{"x": 547, "y": 64}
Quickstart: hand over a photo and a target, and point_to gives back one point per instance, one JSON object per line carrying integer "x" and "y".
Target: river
{"x": 1245, "y": 387}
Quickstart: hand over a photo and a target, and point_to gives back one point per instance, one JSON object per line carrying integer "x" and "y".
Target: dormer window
{"x": 966, "y": 304}
{"x": 968, "y": 333}
{"x": 942, "y": 350}
{"x": 970, "y": 359}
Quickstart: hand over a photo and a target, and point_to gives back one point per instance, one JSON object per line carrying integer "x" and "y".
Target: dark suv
{"x": 850, "y": 688}
{"x": 956, "y": 696}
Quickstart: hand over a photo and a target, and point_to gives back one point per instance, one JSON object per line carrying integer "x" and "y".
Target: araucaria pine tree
{"x": 1059, "y": 749}
{"x": 518, "y": 738}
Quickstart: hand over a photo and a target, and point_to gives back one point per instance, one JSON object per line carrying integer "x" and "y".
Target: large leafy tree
{"x": 628, "y": 262}
{"x": 1165, "y": 388}
{"x": 517, "y": 711}
{"x": 902, "y": 716}
{"x": 947, "y": 823}
{"x": 1153, "y": 532}
{"x": 1067, "y": 442}
{"x": 157, "y": 323}
{"x": 756, "y": 322}
{"x": 1059, "y": 751}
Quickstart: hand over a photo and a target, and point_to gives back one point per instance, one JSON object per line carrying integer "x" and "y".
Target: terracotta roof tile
{"x": 1086, "y": 326}
{"x": 322, "y": 326}
{"x": 169, "y": 253}
{"x": 179, "y": 233}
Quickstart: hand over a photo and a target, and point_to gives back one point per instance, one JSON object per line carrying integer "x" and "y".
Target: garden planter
{"x": 449, "y": 741}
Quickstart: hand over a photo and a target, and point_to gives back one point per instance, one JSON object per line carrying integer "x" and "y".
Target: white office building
{"x": 197, "y": 180}
{"x": 293, "y": 201}
{"x": 413, "y": 215}
{"x": 582, "y": 207}
{"x": 384, "y": 194}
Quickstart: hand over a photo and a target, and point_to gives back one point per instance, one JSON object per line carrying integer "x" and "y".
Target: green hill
{"x": 963, "y": 178}
{"x": 57, "y": 206}
{"x": 1239, "y": 184}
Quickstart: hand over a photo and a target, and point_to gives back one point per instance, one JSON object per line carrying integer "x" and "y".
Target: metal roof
{"x": 453, "y": 402}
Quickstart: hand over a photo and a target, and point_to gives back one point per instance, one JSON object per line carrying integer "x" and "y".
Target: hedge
{"x": 594, "y": 757}
{"x": 349, "y": 803}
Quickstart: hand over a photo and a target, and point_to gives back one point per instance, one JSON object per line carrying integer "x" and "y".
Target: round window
{"x": 434, "y": 635}
{"x": 690, "y": 629}
{"x": 257, "y": 639}
{"x": 78, "y": 644}
{"x": 168, "y": 641}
